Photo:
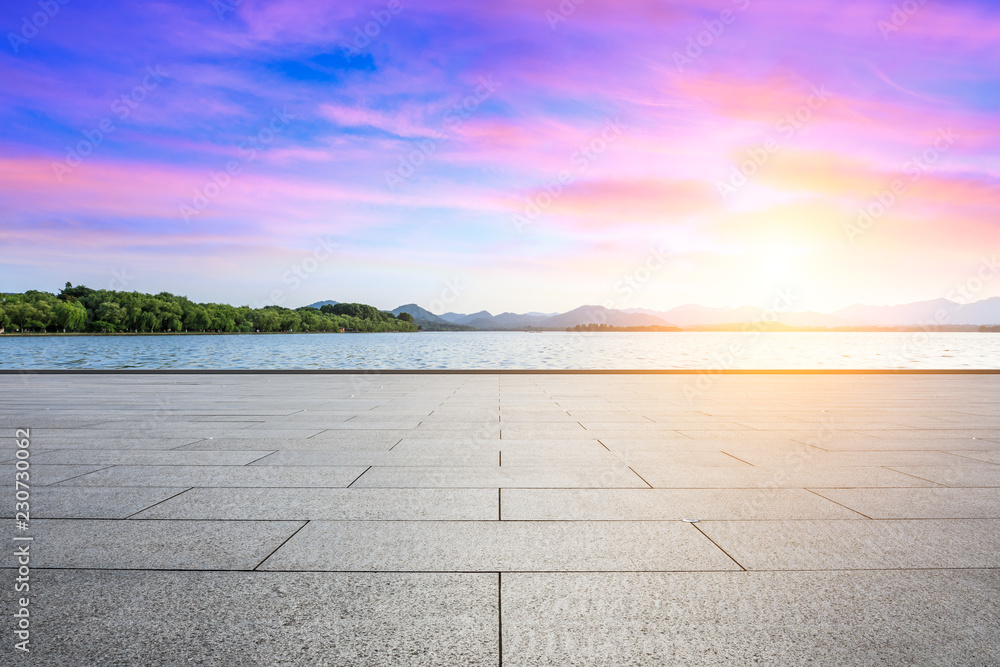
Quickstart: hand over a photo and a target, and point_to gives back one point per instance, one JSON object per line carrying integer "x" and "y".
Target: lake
{"x": 508, "y": 350}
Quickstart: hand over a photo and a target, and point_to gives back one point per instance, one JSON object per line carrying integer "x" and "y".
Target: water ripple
{"x": 507, "y": 350}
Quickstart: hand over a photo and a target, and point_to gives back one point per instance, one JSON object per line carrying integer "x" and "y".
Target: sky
{"x": 519, "y": 155}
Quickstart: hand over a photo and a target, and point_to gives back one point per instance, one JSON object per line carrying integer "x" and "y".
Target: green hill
{"x": 106, "y": 311}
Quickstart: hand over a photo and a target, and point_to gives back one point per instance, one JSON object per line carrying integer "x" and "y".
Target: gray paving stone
{"x": 990, "y": 456}
{"x": 898, "y": 425}
{"x": 42, "y": 475}
{"x": 87, "y": 441}
{"x": 8, "y": 449}
{"x": 547, "y": 432}
{"x": 330, "y": 504}
{"x": 247, "y": 419}
{"x": 479, "y": 433}
{"x": 910, "y": 442}
{"x": 264, "y": 618}
{"x": 673, "y": 424}
{"x": 540, "y": 446}
{"x": 831, "y": 440}
{"x": 943, "y": 434}
{"x": 895, "y": 443}
{"x": 239, "y": 476}
{"x": 526, "y": 415}
{"x": 746, "y": 434}
{"x": 352, "y": 441}
{"x": 500, "y": 477}
{"x": 286, "y": 427}
{"x": 395, "y": 457}
{"x": 59, "y": 502}
{"x": 156, "y": 545}
{"x": 817, "y": 457}
{"x": 248, "y": 444}
{"x": 526, "y": 418}
{"x": 161, "y": 429}
{"x": 742, "y": 618}
{"x": 464, "y": 546}
{"x": 595, "y": 457}
{"x": 447, "y": 428}
{"x": 365, "y": 439}
{"x": 309, "y": 420}
{"x": 148, "y": 457}
{"x": 919, "y": 503}
{"x": 12, "y": 420}
{"x": 861, "y": 545}
{"x": 720, "y": 477}
{"x": 666, "y": 504}
{"x": 984, "y": 475}
{"x": 254, "y": 432}
{"x": 681, "y": 443}
{"x": 371, "y": 425}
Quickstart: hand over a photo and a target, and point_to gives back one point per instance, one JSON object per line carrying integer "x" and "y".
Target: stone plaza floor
{"x": 516, "y": 519}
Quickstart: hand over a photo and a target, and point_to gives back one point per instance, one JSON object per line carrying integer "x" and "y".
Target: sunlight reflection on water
{"x": 508, "y": 350}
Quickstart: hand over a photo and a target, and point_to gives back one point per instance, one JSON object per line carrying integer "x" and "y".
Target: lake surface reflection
{"x": 507, "y": 350}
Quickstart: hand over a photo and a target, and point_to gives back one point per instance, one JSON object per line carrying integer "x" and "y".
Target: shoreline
{"x": 711, "y": 372}
{"x": 192, "y": 333}
{"x": 970, "y": 329}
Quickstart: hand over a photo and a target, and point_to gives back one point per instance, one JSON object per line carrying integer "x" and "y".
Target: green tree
{"x": 70, "y": 316}
{"x": 25, "y": 317}
{"x": 77, "y": 308}
{"x": 197, "y": 319}
{"x": 110, "y": 312}
{"x": 361, "y": 311}
{"x": 76, "y": 292}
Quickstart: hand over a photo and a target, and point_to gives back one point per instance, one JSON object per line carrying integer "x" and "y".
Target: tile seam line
{"x": 515, "y": 521}
{"x": 640, "y": 477}
{"x": 504, "y": 371}
{"x": 500, "y": 617}
{"x": 923, "y": 479}
{"x": 83, "y": 474}
{"x": 356, "y": 478}
{"x": 202, "y": 519}
{"x": 961, "y": 456}
{"x": 180, "y": 493}
{"x": 648, "y": 487}
{"x": 850, "y": 509}
{"x": 256, "y": 460}
{"x": 490, "y": 572}
{"x": 283, "y": 543}
{"x": 737, "y": 458}
{"x": 809, "y": 444}
{"x": 716, "y": 544}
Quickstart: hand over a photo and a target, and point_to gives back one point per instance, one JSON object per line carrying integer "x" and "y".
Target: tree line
{"x": 82, "y": 309}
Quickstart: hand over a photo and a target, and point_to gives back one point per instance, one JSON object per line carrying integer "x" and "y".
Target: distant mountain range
{"x": 428, "y": 321}
{"x": 985, "y": 312}
{"x": 937, "y": 312}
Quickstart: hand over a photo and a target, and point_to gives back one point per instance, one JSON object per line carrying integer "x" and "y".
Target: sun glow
{"x": 778, "y": 261}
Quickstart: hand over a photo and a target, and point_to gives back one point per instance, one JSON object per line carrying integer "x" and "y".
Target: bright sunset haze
{"x": 532, "y": 153}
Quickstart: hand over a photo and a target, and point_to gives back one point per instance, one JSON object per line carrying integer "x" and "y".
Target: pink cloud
{"x": 403, "y": 124}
